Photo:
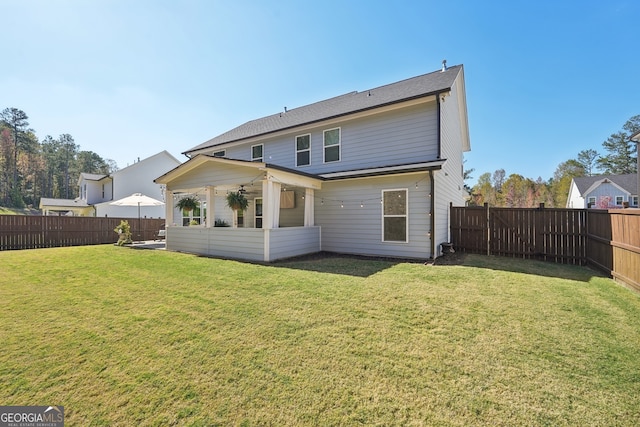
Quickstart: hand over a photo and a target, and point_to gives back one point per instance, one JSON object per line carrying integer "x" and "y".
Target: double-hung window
{"x": 256, "y": 152}
{"x": 303, "y": 150}
{"x": 332, "y": 145}
{"x": 395, "y": 217}
{"x": 591, "y": 202}
{"x": 634, "y": 201}
{"x": 619, "y": 200}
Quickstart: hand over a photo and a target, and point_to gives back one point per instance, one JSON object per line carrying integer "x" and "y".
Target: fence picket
{"x": 606, "y": 239}
{"x": 33, "y": 232}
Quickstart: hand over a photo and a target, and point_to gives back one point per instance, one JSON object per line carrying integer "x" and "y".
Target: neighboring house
{"x": 97, "y": 191}
{"x": 603, "y": 192}
{"x": 369, "y": 173}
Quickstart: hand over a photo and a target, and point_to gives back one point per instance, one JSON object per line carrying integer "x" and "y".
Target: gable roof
{"x": 352, "y": 102}
{"x": 93, "y": 176}
{"x": 164, "y": 153}
{"x": 628, "y": 182}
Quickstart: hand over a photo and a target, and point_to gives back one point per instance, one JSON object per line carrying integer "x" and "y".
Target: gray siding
{"x": 248, "y": 244}
{"x": 449, "y": 182}
{"x": 401, "y": 136}
{"x": 238, "y": 243}
{"x": 610, "y": 190}
{"x": 293, "y": 217}
{"x": 358, "y": 230}
{"x": 289, "y": 242}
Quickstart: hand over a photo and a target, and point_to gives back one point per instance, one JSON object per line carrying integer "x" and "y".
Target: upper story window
{"x": 257, "y": 152}
{"x": 395, "y": 217}
{"x": 591, "y": 202}
{"x": 220, "y": 153}
{"x": 619, "y": 200}
{"x": 332, "y": 145}
{"x": 303, "y": 150}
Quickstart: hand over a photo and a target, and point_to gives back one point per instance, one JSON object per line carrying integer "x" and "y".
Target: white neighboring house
{"x": 603, "y": 192}
{"x": 367, "y": 173}
{"x": 97, "y": 191}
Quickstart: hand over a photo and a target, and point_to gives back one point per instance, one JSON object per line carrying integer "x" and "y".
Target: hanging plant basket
{"x": 237, "y": 201}
{"x": 187, "y": 203}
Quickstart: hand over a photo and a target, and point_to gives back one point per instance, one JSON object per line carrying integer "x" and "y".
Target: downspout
{"x": 432, "y": 176}
{"x": 432, "y": 215}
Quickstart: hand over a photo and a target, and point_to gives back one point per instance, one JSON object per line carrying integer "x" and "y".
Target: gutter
{"x": 432, "y": 208}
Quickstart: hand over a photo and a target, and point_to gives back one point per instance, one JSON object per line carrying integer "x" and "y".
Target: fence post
{"x": 486, "y": 207}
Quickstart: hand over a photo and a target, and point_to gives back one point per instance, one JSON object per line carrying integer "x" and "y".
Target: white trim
{"x": 324, "y": 146}
{"x": 383, "y": 170}
{"x": 257, "y": 159}
{"x": 406, "y": 215}
{"x": 295, "y": 142}
{"x": 599, "y": 182}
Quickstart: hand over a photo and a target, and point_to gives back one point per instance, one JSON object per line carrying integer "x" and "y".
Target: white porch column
{"x": 309, "y": 215}
{"x": 271, "y": 204}
{"x": 209, "y": 192}
{"x": 168, "y": 208}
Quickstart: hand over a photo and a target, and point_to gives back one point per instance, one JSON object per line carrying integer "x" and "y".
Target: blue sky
{"x": 129, "y": 78}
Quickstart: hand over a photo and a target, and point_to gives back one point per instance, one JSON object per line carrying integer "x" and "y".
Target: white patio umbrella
{"x": 137, "y": 199}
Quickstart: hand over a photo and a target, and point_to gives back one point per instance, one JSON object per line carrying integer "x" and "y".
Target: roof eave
{"x": 311, "y": 122}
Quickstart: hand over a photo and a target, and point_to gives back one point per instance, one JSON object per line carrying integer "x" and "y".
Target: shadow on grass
{"x": 350, "y": 265}
{"x": 519, "y": 265}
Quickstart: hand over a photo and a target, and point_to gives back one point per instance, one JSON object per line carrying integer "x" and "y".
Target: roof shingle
{"x": 352, "y": 102}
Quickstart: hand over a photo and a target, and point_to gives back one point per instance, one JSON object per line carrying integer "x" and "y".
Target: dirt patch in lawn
{"x": 455, "y": 258}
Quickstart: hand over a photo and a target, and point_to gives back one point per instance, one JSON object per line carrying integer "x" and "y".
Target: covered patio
{"x": 278, "y": 223}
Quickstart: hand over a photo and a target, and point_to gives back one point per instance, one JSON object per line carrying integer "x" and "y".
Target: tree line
{"x": 515, "y": 191}
{"x": 31, "y": 169}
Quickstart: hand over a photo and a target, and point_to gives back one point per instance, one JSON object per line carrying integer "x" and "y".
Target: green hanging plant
{"x": 187, "y": 203}
{"x": 237, "y": 201}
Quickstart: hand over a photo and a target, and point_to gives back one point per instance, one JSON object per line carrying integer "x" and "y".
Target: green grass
{"x": 125, "y": 337}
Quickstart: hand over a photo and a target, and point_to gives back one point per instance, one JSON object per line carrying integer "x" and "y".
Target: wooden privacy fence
{"x": 32, "y": 232}
{"x": 606, "y": 239}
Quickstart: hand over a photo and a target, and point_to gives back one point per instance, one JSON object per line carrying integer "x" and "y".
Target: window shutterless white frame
{"x": 257, "y": 213}
{"x": 303, "y": 150}
{"x": 220, "y": 153}
{"x": 619, "y": 200}
{"x": 331, "y": 145}
{"x": 395, "y": 215}
{"x": 591, "y": 202}
{"x": 257, "y": 152}
{"x": 634, "y": 201}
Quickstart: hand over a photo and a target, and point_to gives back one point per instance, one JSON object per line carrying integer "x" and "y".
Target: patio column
{"x": 309, "y": 216}
{"x": 209, "y": 192}
{"x": 168, "y": 207}
{"x": 271, "y": 204}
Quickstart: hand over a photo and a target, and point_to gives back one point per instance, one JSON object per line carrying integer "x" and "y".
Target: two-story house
{"x": 97, "y": 191}
{"x": 603, "y": 192}
{"x": 368, "y": 173}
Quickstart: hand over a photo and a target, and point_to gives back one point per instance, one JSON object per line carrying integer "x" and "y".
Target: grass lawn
{"x": 125, "y": 337}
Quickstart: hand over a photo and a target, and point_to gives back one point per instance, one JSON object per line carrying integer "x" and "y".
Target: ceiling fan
{"x": 243, "y": 190}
